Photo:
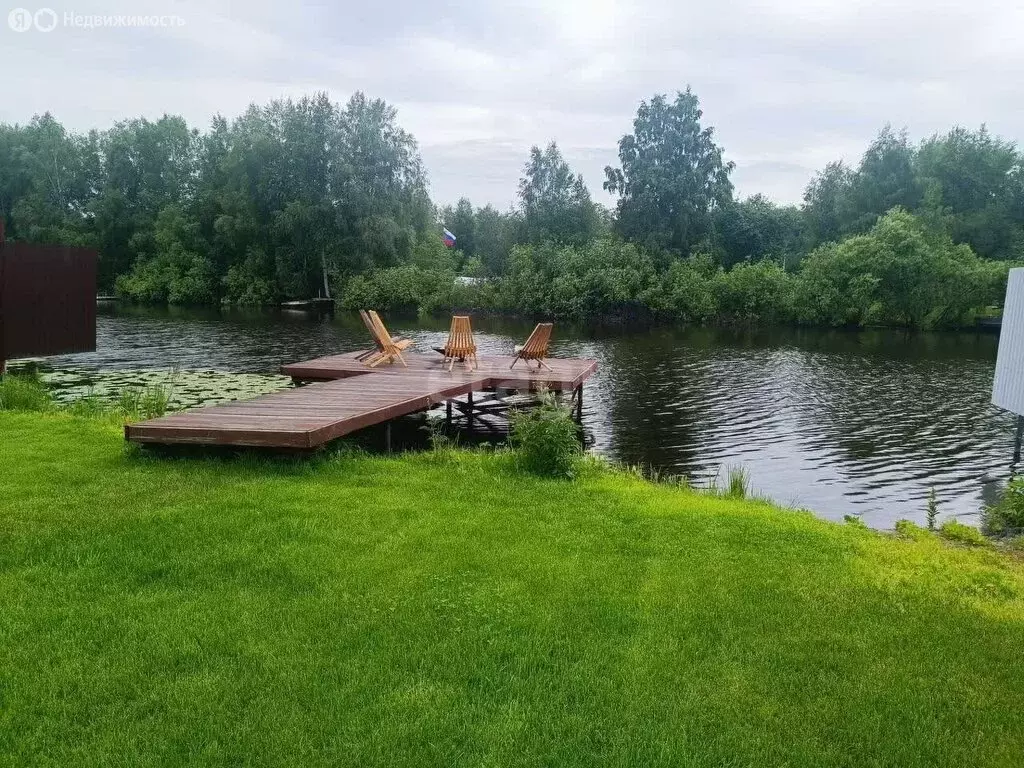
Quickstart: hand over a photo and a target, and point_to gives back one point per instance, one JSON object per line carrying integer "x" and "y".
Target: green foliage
{"x": 933, "y": 509}
{"x": 758, "y": 292}
{"x": 976, "y": 182}
{"x": 672, "y": 175}
{"x": 603, "y": 278}
{"x": 290, "y": 198}
{"x": 898, "y": 273}
{"x": 546, "y": 439}
{"x": 687, "y": 290}
{"x": 885, "y": 180}
{"x": 299, "y": 198}
{"x": 967, "y": 184}
{"x": 1006, "y": 517}
{"x": 962, "y": 534}
{"x": 174, "y": 272}
{"x": 495, "y": 234}
{"x": 555, "y": 202}
{"x": 397, "y": 289}
{"x": 756, "y": 229}
{"x": 855, "y": 521}
{"x": 827, "y": 203}
{"x": 24, "y": 392}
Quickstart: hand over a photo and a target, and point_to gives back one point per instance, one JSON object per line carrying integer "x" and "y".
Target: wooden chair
{"x": 388, "y": 348}
{"x": 401, "y": 343}
{"x": 536, "y": 346}
{"x": 460, "y": 345}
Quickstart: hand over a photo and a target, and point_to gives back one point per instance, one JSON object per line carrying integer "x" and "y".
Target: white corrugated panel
{"x": 1008, "y": 386}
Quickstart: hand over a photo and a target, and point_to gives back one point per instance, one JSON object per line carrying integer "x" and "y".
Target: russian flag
{"x": 449, "y": 239}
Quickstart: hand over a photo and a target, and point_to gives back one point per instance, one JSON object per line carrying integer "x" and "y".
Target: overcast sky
{"x": 788, "y": 84}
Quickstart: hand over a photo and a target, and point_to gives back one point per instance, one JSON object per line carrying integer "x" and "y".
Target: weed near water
{"x": 24, "y": 392}
{"x": 28, "y": 392}
{"x": 1005, "y": 518}
{"x": 546, "y": 439}
{"x": 737, "y": 483}
{"x": 138, "y": 403}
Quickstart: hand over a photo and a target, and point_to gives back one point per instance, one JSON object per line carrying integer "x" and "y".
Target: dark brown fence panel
{"x": 47, "y": 300}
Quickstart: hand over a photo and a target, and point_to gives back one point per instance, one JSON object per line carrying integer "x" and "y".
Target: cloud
{"x": 789, "y": 85}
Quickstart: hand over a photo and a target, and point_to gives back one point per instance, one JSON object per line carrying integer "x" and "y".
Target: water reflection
{"x": 839, "y": 422}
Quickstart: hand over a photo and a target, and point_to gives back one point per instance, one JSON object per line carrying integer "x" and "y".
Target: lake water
{"x": 838, "y": 422}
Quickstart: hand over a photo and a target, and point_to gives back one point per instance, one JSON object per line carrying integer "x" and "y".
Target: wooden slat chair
{"x": 401, "y": 343}
{"x": 387, "y": 347}
{"x": 536, "y": 346}
{"x": 461, "y": 345}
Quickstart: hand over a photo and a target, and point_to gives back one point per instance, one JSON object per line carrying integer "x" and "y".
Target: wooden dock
{"x": 348, "y": 396}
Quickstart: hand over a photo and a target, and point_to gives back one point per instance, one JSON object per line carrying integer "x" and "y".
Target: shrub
{"x": 758, "y": 292}
{"x": 410, "y": 288}
{"x": 1006, "y": 517}
{"x": 603, "y": 278}
{"x": 24, "y": 392}
{"x": 687, "y": 290}
{"x": 898, "y": 273}
{"x": 965, "y": 534}
{"x": 545, "y": 439}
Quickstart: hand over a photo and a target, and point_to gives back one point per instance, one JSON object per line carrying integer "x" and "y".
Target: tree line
{"x": 299, "y": 198}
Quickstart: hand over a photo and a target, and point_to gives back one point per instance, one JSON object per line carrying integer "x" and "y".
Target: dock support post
{"x": 448, "y": 413}
{"x": 579, "y": 404}
{"x": 1017, "y": 441}
{"x": 387, "y": 437}
{"x": 469, "y": 411}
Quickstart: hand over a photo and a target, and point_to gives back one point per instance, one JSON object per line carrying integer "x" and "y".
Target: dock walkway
{"x": 348, "y": 396}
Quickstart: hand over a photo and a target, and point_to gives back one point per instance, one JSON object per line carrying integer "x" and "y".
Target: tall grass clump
{"x": 24, "y": 392}
{"x": 144, "y": 402}
{"x": 737, "y": 483}
{"x": 546, "y": 439}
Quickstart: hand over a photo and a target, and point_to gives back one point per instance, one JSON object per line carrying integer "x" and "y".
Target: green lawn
{"x": 440, "y": 610}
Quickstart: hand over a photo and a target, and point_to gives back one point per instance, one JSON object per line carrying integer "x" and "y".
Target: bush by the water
{"x": 1006, "y": 517}
{"x": 546, "y": 439}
